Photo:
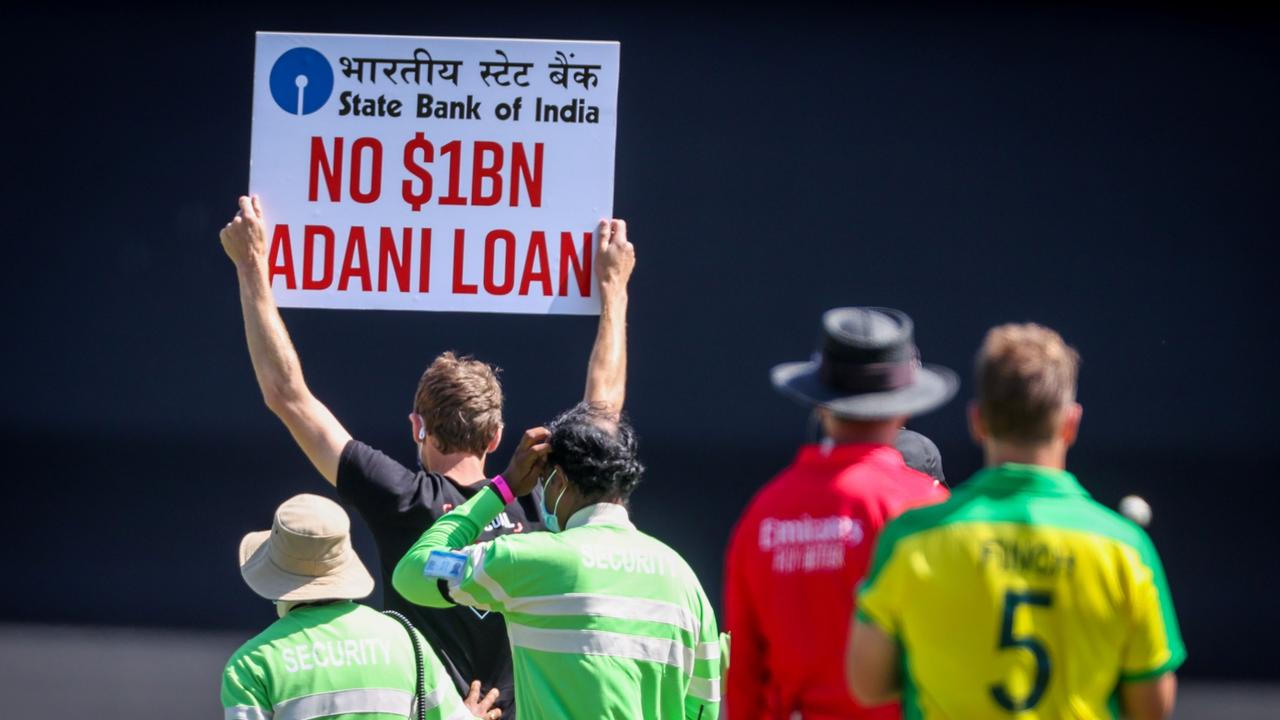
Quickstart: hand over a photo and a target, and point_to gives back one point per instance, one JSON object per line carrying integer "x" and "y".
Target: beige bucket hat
{"x": 306, "y": 555}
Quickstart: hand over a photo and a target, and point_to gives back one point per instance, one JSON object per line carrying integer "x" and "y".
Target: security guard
{"x": 604, "y": 621}
{"x": 327, "y": 656}
{"x": 1020, "y": 596}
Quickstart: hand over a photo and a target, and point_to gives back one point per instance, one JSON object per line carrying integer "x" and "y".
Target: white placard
{"x": 429, "y": 173}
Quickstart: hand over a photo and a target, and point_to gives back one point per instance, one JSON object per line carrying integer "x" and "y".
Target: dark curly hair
{"x": 597, "y": 451}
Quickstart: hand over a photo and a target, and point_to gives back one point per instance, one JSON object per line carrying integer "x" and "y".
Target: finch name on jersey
{"x": 1028, "y": 558}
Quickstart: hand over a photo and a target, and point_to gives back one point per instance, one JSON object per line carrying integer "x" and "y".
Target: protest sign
{"x": 427, "y": 173}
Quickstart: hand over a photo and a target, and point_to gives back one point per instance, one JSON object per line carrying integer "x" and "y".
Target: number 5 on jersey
{"x": 999, "y": 693}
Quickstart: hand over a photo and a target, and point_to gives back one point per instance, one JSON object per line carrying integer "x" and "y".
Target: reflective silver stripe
{"x": 601, "y": 642}
{"x": 707, "y": 651}
{"x": 245, "y": 712}
{"x": 488, "y": 583}
{"x": 434, "y": 697}
{"x": 461, "y": 713}
{"x": 705, "y": 689}
{"x": 462, "y": 597}
{"x": 365, "y": 700}
{"x": 612, "y": 606}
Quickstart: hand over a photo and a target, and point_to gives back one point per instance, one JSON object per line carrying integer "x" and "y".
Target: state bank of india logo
{"x": 301, "y": 81}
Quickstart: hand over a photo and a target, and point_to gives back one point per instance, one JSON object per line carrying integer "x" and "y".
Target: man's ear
{"x": 495, "y": 442}
{"x": 825, "y": 421}
{"x": 419, "y": 427}
{"x": 977, "y": 428}
{"x": 1070, "y": 429}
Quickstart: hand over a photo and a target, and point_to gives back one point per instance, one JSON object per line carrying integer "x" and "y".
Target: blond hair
{"x": 1026, "y": 377}
{"x": 460, "y": 401}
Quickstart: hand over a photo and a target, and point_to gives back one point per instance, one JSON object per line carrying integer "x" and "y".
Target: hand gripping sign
{"x": 424, "y": 173}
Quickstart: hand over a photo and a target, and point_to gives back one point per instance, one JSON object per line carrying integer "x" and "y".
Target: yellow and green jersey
{"x": 1020, "y": 597}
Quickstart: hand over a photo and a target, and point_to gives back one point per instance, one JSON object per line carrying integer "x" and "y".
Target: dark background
{"x": 1111, "y": 173}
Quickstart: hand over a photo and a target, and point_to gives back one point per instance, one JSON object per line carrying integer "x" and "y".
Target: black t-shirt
{"x": 399, "y": 505}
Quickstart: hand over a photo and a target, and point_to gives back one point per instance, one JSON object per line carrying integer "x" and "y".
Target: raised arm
{"x": 275, "y": 362}
{"x": 607, "y": 369}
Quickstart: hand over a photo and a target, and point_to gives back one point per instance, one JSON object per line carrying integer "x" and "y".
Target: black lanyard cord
{"x": 421, "y": 690}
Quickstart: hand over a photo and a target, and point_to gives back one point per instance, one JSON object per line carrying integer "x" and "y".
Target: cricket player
{"x": 1020, "y": 597}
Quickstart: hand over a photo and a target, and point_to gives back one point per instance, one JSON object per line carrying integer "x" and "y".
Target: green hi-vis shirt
{"x": 1020, "y": 597}
{"x": 340, "y": 660}
{"x": 604, "y": 621}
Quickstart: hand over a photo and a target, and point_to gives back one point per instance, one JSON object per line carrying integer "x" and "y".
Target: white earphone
{"x": 422, "y": 433}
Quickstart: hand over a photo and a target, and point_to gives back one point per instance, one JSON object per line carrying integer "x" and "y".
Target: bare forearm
{"x": 275, "y": 362}
{"x": 607, "y": 368}
{"x": 872, "y": 664}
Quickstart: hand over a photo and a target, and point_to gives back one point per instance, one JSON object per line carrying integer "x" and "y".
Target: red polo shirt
{"x": 795, "y": 557}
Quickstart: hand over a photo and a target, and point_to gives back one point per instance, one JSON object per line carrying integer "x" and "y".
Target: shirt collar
{"x": 301, "y": 606}
{"x": 604, "y": 513}
{"x": 1034, "y": 479}
{"x": 848, "y": 454}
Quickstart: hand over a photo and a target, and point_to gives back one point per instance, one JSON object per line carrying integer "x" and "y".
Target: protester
{"x": 328, "y": 656}
{"x": 1020, "y": 595}
{"x": 805, "y": 540}
{"x": 605, "y": 621}
{"x": 456, "y": 420}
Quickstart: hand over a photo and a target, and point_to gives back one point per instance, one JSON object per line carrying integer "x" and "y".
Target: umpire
{"x": 805, "y": 539}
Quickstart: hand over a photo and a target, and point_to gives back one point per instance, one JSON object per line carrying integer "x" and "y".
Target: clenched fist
{"x": 615, "y": 257}
{"x": 245, "y": 237}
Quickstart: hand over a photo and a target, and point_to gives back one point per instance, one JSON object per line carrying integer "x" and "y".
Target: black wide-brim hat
{"x": 868, "y": 368}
